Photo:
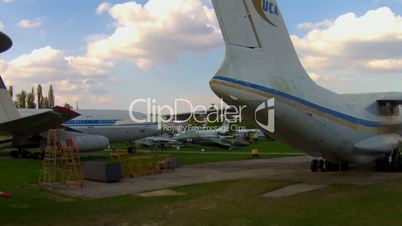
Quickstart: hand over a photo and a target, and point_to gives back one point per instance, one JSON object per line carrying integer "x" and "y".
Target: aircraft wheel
{"x": 314, "y": 165}
{"x": 379, "y": 165}
{"x": 400, "y": 165}
{"x": 329, "y": 166}
{"x": 396, "y": 158}
{"x": 15, "y": 154}
{"x": 322, "y": 166}
{"x": 383, "y": 165}
{"x": 336, "y": 166}
{"x": 344, "y": 166}
{"x": 26, "y": 154}
{"x": 132, "y": 150}
{"x": 38, "y": 156}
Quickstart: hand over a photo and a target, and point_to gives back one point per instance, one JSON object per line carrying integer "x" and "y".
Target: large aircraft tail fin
{"x": 257, "y": 41}
{"x": 8, "y": 111}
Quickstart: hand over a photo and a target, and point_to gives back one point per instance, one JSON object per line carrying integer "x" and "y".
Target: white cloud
{"x": 7, "y": 1}
{"x": 1, "y": 26}
{"x": 158, "y": 32}
{"x": 94, "y": 38}
{"x": 311, "y": 26}
{"x": 51, "y": 63}
{"x": 103, "y": 7}
{"x": 391, "y": 65}
{"x": 351, "y": 46}
{"x": 75, "y": 78}
{"x": 145, "y": 35}
{"x": 25, "y": 23}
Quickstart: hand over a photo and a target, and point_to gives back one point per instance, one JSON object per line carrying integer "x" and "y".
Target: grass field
{"x": 197, "y": 154}
{"x": 221, "y": 203}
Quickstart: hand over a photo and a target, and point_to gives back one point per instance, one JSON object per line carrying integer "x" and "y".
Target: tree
{"x": 39, "y": 95}
{"x": 21, "y": 99}
{"x": 46, "y": 103}
{"x": 11, "y": 91}
{"x": 66, "y": 105}
{"x": 31, "y": 99}
{"x": 50, "y": 96}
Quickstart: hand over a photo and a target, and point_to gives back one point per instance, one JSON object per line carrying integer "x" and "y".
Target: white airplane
{"x": 112, "y": 124}
{"x": 262, "y": 71}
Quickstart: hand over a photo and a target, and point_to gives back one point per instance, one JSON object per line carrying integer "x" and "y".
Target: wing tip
{"x": 66, "y": 111}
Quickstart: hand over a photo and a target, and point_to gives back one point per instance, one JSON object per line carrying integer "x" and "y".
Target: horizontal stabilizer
{"x": 381, "y": 143}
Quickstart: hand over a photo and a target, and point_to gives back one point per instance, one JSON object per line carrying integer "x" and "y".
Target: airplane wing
{"x": 214, "y": 141}
{"x": 39, "y": 122}
{"x": 157, "y": 140}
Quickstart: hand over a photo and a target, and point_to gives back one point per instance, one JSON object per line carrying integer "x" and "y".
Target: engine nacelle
{"x": 86, "y": 142}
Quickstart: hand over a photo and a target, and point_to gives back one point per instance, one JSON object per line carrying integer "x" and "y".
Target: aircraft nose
{"x": 104, "y": 141}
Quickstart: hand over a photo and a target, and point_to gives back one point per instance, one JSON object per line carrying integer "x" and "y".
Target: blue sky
{"x": 68, "y": 28}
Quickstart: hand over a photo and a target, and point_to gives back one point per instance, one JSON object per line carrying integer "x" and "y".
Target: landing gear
{"x": 390, "y": 163}
{"x": 38, "y": 155}
{"x": 24, "y": 154}
{"x": 314, "y": 165}
{"x": 327, "y": 166}
{"x": 21, "y": 154}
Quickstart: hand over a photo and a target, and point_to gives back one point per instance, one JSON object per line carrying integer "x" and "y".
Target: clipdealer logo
{"x": 218, "y": 113}
{"x": 268, "y": 106}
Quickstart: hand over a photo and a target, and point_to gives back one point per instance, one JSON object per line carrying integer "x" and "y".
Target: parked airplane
{"x": 24, "y": 131}
{"x": 155, "y": 141}
{"x": 112, "y": 124}
{"x": 202, "y": 132}
{"x": 261, "y": 71}
{"x": 20, "y": 132}
{"x": 196, "y": 135}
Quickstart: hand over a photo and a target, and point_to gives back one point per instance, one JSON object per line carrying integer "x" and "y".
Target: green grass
{"x": 263, "y": 146}
{"x": 220, "y": 203}
{"x": 193, "y": 154}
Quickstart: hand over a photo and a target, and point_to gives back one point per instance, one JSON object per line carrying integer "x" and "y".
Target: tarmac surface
{"x": 294, "y": 169}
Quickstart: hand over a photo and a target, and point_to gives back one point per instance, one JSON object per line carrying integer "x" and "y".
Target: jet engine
{"x": 86, "y": 142}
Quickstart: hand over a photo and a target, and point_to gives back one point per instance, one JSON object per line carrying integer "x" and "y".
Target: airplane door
{"x": 238, "y": 24}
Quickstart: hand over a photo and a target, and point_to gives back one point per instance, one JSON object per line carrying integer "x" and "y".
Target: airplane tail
{"x": 8, "y": 111}
{"x": 258, "y": 45}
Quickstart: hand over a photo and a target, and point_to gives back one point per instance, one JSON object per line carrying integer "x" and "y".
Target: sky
{"x": 103, "y": 55}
